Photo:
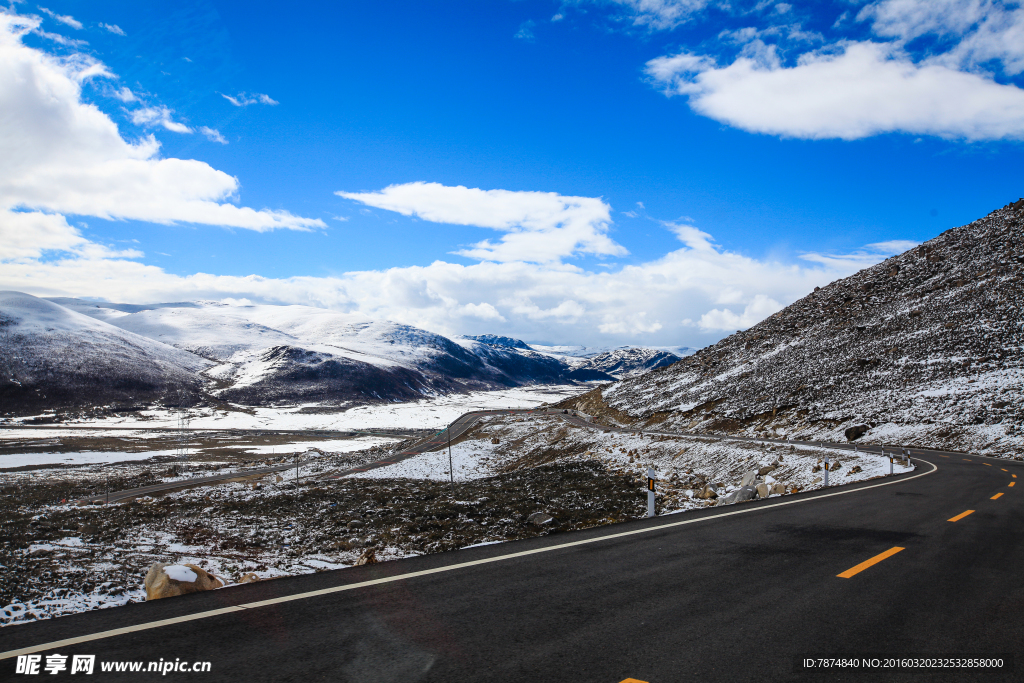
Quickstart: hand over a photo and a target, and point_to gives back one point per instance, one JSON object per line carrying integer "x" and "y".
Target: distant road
{"x": 919, "y": 570}
{"x": 440, "y": 440}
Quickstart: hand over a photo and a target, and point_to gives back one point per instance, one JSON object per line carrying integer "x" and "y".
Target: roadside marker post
{"x": 826, "y": 469}
{"x": 891, "y": 459}
{"x": 650, "y": 491}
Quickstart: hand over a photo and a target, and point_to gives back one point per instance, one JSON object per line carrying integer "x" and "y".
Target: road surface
{"x": 922, "y": 564}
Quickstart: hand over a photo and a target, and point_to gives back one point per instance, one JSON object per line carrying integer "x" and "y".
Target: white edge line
{"x": 425, "y": 572}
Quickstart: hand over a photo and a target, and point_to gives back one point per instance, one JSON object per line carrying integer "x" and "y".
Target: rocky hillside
{"x": 922, "y": 349}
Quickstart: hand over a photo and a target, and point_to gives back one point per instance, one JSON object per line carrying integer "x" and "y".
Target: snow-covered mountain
{"x": 924, "y": 348}
{"x": 50, "y": 355}
{"x": 619, "y": 362}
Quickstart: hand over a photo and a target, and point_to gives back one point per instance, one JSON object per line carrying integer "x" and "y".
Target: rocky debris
{"x": 766, "y": 470}
{"x": 870, "y": 349}
{"x": 540, "y": 519}
{"x": 855, "y": 432}
{"x": 166, "y": 581}
{"x": 369, "y": 556}
{"x": 249, "y": 577}
{"x": 777, "y": 488}
{"x": 748, "y": 478}
{"x": 495, "y": 440}
{"x": 835, "y": 466}
{"x": 762, "y": 490}
{"x": 856, "y": 469}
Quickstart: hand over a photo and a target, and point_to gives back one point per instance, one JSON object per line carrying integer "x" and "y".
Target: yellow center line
{"x": 633, "y": 680}
{"x": 1004, "y": 469}
{"x": 1014, "y": 476}
{"x": 960, "y": 516}
{"x": 1012, "y": 483}
{"x": 986, "y": 464}
{"x": 943, "y": 456}
{"x": 968, "y": 460}
{"x": 869, "y": 563}
{"x": 995, "y": 496}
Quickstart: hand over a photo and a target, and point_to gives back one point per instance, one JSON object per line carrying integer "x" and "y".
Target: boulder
{"x": 765, "y": 470}
{"x": 249, "y": 578}
{"x": 762, "y": 490}
{"x": 540, "y": 519}
{"x": 354, "y": 524}
{"x": 170, "y": 580}
{"x": 495, "y": 439}
{"x": 856, "y": 469}
{"x": 817, "y": 480}
{"x": 741, "y": 494}
{"x": 777, "y": 488}
{"x": 835, "y": 466}
{"x": 855, "y": 432}
{"x": 748, "y": 478}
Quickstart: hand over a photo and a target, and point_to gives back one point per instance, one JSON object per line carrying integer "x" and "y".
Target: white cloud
{"x": 59, "y": 154}
{"x": 984, "y": 30}
{"x": 864, "y": 89}
{"x": 892, "y": 246}
{"x": 125, "y": 95}
{"x": 659, "y": 15}
{"x": 651, "y": 303}
{"x": 64, "y": 19}
{"x": 213, "y": 135}
{"x": 724, "y": 320}
{"x": 59, "y": 39}
{"x": 158, "y": 116}
{"x": 114, "y": 28}
{"x": 525, "y": 31}
{"x": 540, "y": 227}
{"x": 244, "y": 99}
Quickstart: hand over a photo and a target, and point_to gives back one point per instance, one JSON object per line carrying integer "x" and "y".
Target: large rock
{"x": 762, "y": 490}
{"x": 765, "y": 470}
{"x": 540, "y": 519}
{"x": 738, "y": 496}
{"x": 748, "y": 478}
{"x": 855, "y": 432}
{"x": 777, "y": 488}
{"x": 167, "y": 581}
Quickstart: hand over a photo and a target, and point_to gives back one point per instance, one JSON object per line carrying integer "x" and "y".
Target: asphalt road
{"x": 724, "y": 594}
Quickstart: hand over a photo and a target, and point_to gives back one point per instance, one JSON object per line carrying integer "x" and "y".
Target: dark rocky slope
{"x": 924, "y": 349}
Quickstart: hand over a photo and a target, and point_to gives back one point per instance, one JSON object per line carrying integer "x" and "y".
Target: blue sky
{"x": 704, "y": 164}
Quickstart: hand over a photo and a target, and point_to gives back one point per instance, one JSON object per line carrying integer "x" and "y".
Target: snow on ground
{"x": 90, "y": 458}
{"x": 684, "y": 464}
{"x": 432, "y": 413}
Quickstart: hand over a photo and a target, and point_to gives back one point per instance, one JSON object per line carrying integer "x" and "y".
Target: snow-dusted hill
{"x": 619, "y": 362}
{"x": 50, "y": 355}
{"x": 924, "y": 348}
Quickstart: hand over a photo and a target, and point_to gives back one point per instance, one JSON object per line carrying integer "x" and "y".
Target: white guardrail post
{"x": 650, "y": 491}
